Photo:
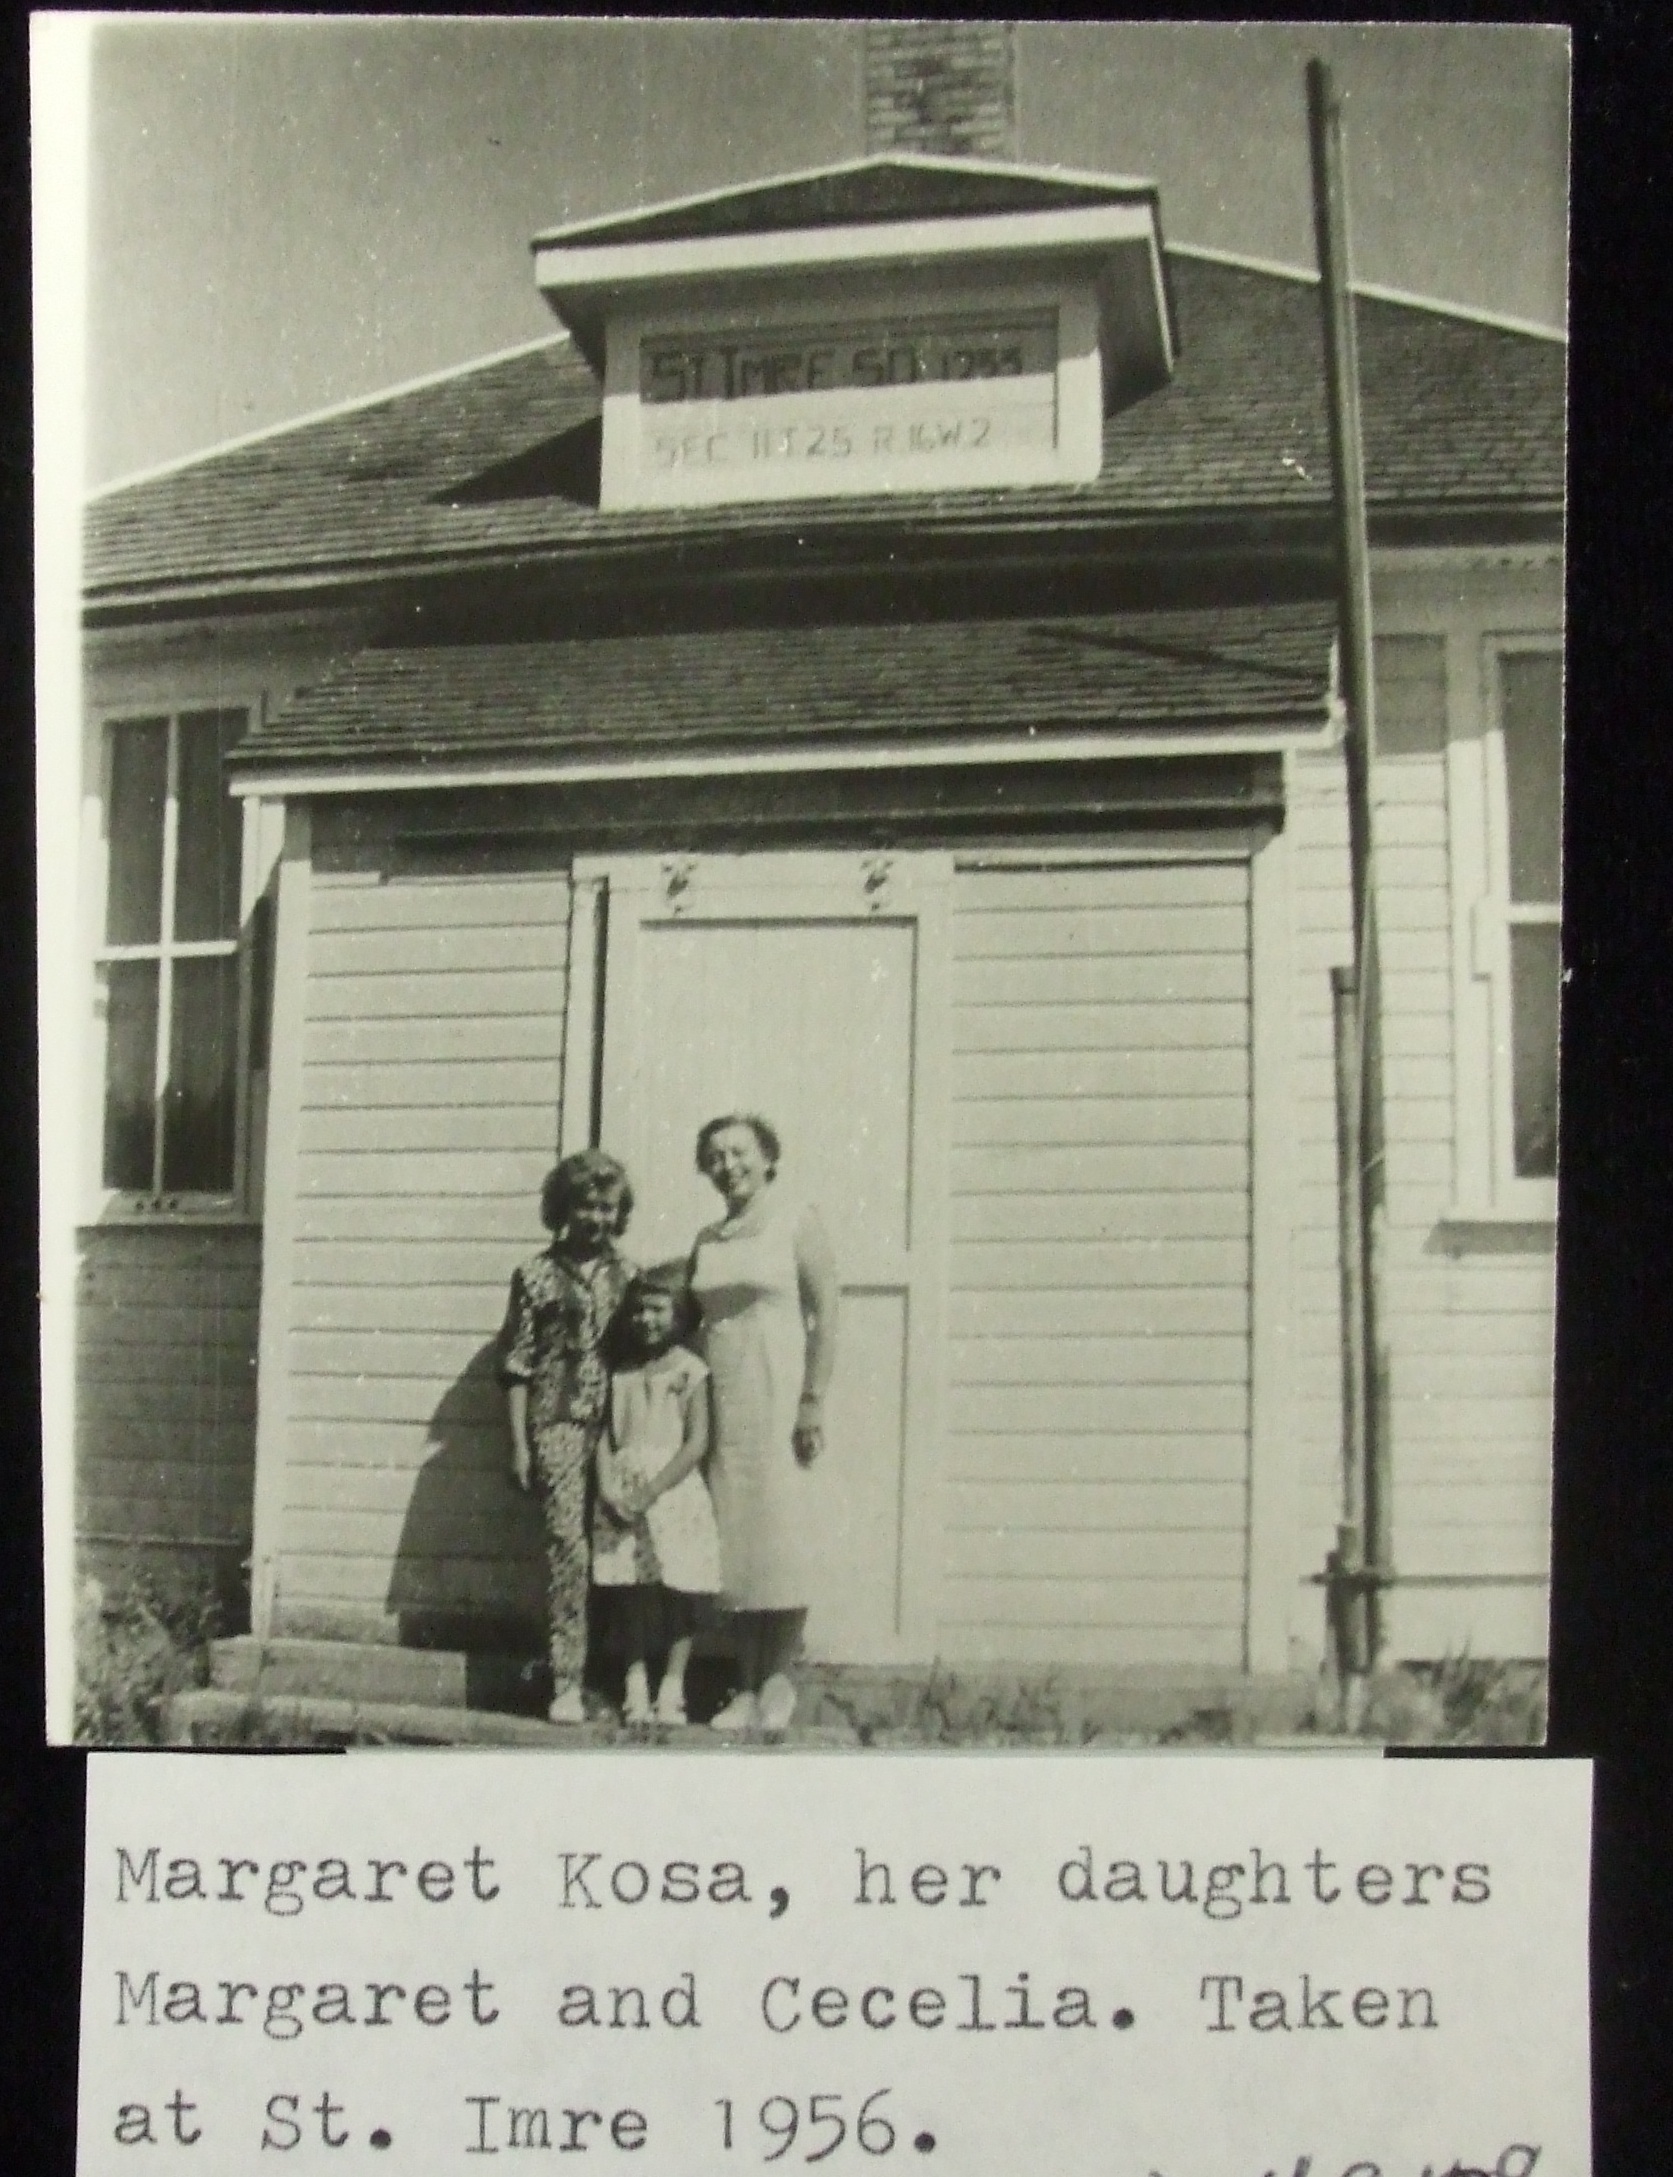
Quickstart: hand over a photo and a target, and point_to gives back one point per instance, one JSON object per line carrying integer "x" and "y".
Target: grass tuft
{"x": 1461, "y": 1700}
{"x": 139, "y": 1638}
{"x": 939, "y": 1709}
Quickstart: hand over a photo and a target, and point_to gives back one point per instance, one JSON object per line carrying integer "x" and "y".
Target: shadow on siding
{"x": 469, "y": 1569}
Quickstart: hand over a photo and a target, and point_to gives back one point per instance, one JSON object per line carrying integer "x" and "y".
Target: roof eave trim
{"x": 1498, "y": 522}
{"x": 279, "y": 781}
{"x": 622, "y": 268}
{"x": 574, "y": 231}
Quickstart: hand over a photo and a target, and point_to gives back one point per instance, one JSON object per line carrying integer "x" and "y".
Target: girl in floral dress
{"x": 557, "y": 1386}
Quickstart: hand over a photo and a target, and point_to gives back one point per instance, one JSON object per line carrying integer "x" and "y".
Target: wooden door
{"x": 808, "y": 987}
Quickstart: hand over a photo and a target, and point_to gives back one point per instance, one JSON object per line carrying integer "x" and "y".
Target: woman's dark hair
{"x": 584, "y": 1172}
{"x": 766, "y": 1134}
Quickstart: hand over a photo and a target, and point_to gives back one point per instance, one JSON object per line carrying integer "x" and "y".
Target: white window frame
{"x": 1489, "y": 1186}
{"x": 154, "y": 1204}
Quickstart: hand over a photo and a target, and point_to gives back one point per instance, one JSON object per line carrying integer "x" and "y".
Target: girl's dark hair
{"x": 672, "y": 1278}
{"x": 584, "y": 1172}
{"x": 763, "y": 1129}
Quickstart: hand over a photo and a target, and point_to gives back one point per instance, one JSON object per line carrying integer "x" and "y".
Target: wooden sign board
{"x": 852, "y": 389}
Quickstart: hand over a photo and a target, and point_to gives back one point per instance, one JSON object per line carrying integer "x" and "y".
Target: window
{"x": 169, "y": 960}
{"x": 1517, "y": 945}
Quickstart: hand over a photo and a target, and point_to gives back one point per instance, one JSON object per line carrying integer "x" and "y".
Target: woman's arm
{"x": 517, "y": 1406}
{"x": 694, "y": 1446}
{"x": 517, "y": 1359}
{"x": 816, "y": 1274}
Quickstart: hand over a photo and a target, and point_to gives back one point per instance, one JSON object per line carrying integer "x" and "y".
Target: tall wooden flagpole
{"x": 1362, "y": 1565}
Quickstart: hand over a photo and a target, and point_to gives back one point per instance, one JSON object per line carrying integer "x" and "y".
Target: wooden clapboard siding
{"x": 1096, "y": 1411}
{"x": 363, "y": 1175}
{"x": 1153, "y": 1215}
{"x": 1105, "y": 1506}
{"x": 1037, "y": 1077}
{"x": 1157, "y": 1555}
{"x": 465, "y": 1037}
{"x": 1136, "y": 1266}
{"x": 349, "y": 1129}
{"x": 397, "y": 1354}
{"x": 1042, "y": 1643}
{"x": 431, "y": 1071}
{"x": 1469, "y": 1337}
{"x": 454, "y": 1306}
{"x": 490, "y": 951}
{"x": 335, "y": 1540}
{"x": 1452, "y": 1544}
{"x": 1180, "y": 1311}
{"x": 1092, "y": 979}
{"x": 1107, "y": 1360}
{"x": 479, "y": 1584}
{"x": 1098, "y": 1408}
{"x": 478, "y": 994}
{"x": 1000, "y": 1123}
{"x": 1130, "y": 1455}
{"x": 166, "y": 1320}
{"x": 1497, "y": 1618}
{"x": 424, "y": 1086}
{"x": 1093, "y": 1616}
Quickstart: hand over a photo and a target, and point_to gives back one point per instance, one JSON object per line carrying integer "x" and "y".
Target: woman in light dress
{"x": 766, "y": 1282}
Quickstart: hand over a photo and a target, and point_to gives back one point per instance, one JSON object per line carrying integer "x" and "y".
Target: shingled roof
{"x": 500, "y": 461}
{"x": 1253, "y": 666}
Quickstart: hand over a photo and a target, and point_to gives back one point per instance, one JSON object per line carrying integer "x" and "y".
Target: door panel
{"x": 791, "y": 986}
{"x": 809, "y": 1023}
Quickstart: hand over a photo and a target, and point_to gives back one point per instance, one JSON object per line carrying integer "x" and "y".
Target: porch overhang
{"x": 832, "y": 697}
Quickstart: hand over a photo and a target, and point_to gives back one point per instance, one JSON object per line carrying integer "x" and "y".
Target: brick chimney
{"x": 945, "y": 87}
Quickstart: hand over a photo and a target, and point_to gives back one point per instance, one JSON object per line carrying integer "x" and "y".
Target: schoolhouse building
{"x": 875, "y": 663}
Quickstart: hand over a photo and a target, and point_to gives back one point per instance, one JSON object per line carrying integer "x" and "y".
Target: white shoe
{"x": 670, "y": 1703}
{"x": 739, "y": 1714}
{"x": 567, "y": 1707}
{"x": 637, "y": 1707}
{"x": 778, "y": 1703}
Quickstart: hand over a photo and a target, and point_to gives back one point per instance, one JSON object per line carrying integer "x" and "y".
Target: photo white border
{"x": 60, "y": 75}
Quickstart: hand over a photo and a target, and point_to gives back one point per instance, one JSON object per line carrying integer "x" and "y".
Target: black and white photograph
{"x": 804, "y": 981}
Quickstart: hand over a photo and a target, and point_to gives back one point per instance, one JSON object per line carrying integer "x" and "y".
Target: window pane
{"x": 138, "y": 787}
{"x": 1533, "y": 719}
{"x": 130, "y": 1074}
{"x": 198, "y": 1107}
{"x": 211, "y": 826}
{"x": 1535, "y": 981}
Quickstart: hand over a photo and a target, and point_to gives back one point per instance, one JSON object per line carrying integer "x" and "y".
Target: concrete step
{"x": 370, "y": 1671}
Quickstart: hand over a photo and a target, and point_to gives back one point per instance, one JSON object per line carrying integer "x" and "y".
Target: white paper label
{"x": 955, "y": 1965}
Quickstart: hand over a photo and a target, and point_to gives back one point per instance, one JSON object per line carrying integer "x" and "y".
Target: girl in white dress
{"x": 766, "y": 1283}
{"x": 656, "y": 1553}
